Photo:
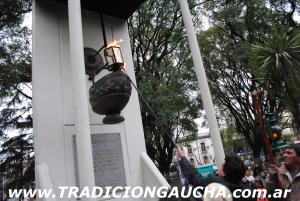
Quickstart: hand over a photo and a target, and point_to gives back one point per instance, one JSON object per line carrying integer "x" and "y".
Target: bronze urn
{"x": 109, "y": 95}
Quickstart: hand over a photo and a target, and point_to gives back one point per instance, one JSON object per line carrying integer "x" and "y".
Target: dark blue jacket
{"x": 197, "y": 180}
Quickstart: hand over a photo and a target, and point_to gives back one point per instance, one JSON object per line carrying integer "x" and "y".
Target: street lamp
{"x": 113, "y": 57}
{"x": 94, "y": 62}
{"x": 110, "y": 94}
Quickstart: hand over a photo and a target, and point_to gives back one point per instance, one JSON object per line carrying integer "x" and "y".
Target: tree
{"x": 164, "y": 75}
{"x": 17, "y": 161}
{"x": 278, "y": 60}
{"x": 233, "y": 142}
{"x": 286, "y": 10}
{"x": 230, "y": 83}
{"x": 12, "y": 13}
{"x": 237, "y": 25}
{"x": 15, "y": 64}
{"x": 15, "y": 77}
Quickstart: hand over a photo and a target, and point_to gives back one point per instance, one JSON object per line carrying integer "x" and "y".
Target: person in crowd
{"x": 259, "y": 184}
{"x": 231, "y": 173}
{"x": 249, "y": 177}
{"x": 251, "y": 172}
{"x": 263, "y": 175}
{"x": 245, "y": 182}
{"x": 226, "y": 195}
{"x": 180, "y": 198}
{"x": 257, "y": 169}
{"x": 287, "y": 176}
{"x": 193, "y": 162}
{"x": 183, "y": 181}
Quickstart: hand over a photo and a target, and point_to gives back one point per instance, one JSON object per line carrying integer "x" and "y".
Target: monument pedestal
{"x": 118, "y": 151}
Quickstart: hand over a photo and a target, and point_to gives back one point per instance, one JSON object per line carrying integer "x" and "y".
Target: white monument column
{"x": 205, "y": 92}
{"x": 74, "y": 148}
{"x": 83, "y": 137}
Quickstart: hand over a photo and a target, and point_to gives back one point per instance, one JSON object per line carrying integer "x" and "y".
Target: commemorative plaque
{"x": 107, "y": 160}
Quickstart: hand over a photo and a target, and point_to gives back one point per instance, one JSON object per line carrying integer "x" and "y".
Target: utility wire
{"x": 155, "y": 116}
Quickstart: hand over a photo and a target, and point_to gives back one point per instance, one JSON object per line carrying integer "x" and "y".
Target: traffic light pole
{"x": 256, "y": 96}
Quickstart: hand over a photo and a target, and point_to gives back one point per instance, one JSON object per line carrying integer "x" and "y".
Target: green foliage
{"x": 16, "y": 153}
{"x": 278, "y": 61}
{"x": 164, "y": 74}
{"x": 278, "y": 57}
{"x": 15, "y": 75}
{"x": 15, "y": 65}
{"x": 17, "y": 161}
{"x": 232, "y": 141}
{"x": 286, "y": 11}
{"x": 236, "y": 27}
{"x": 12, "y": 13}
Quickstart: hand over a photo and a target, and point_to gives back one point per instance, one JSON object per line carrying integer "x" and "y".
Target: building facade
{"x": 200, "y": 150}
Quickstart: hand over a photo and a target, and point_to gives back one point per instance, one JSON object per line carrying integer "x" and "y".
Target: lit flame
{"x": 123, "y": 68}
{"x": 114, "y": 43}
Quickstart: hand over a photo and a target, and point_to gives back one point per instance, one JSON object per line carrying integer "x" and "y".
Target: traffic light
{"x": 273, "y": 128}
{"x": 275, "y": 132}
{"x": 275, "y": 135}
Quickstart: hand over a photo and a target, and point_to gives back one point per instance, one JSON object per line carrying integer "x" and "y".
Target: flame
{"x": 114, "y": 43}
{"x": 123, "y": 68}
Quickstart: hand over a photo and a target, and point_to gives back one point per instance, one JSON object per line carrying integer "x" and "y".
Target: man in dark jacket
{"x": 231, "y": 173}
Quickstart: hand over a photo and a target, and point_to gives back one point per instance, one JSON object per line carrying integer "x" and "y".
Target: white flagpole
{"x": 204, "y": 89}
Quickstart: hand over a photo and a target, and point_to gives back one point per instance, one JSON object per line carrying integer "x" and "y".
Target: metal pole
{"x": 206, "y": 96}
{"x": 83, "y": 136}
